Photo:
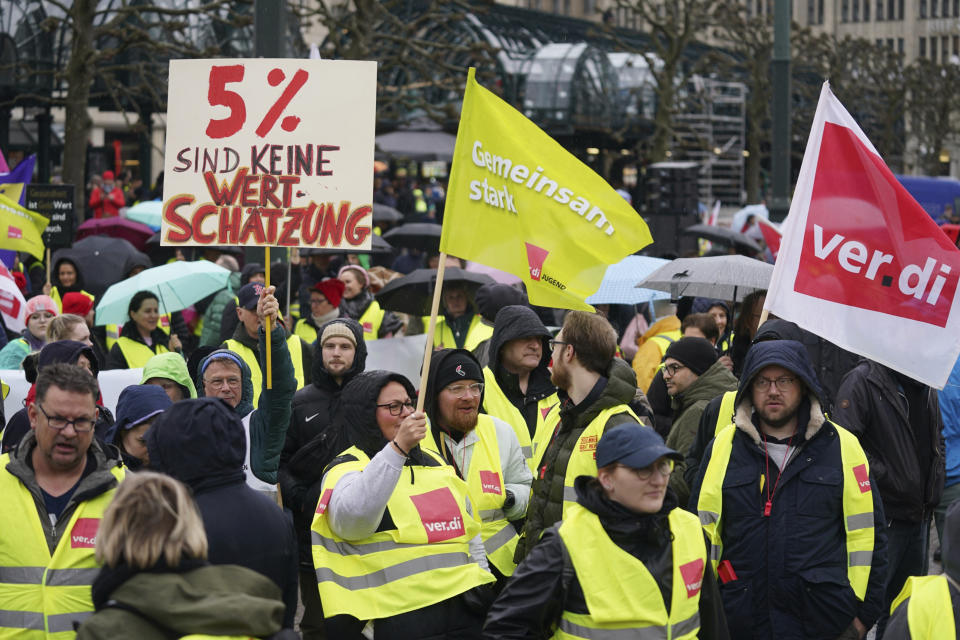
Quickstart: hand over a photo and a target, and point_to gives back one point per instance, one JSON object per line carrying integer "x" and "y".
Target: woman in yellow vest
{"x": 156, "y": 582}
{"x": 66, "y": 279}
{"x": 626, "y": 562}
{"x": 358, "y": 303}
{"x": 141, "y": 338}
{"x": 394, "y": 537}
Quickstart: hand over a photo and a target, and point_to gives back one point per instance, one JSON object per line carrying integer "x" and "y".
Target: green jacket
{"x": 213, "y": 316}
{"x": 688, "y": 407}
{"x": 213, "y": 600}
{"x": 171, "y": 366}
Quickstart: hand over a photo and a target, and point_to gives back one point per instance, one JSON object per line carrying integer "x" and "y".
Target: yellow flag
{"x": 21, "y": 229}
{"x": 520, "y": 202}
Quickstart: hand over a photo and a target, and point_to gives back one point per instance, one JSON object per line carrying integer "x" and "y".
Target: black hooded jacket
{"x": 77, "y": 286}
{"x": 202, "y": 444}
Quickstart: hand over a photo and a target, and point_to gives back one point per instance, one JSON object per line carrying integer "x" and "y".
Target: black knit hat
{"x": 455, "y": 367}
{"x": 696, "y": 354}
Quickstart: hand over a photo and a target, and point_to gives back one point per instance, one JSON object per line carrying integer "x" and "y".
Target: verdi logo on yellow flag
{"x": 520, "y": 202}
{"x": 20, "y": 228}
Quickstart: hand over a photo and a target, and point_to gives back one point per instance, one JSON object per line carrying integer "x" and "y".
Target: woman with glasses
{"x": 625, "y": 561}
{"x": 394, "y": 539}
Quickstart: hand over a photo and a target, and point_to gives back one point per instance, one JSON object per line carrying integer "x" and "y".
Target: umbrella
{"x": 177, "y": 285}
{"x": 147, "y": 212}
{"x": 377, "y": 245}
{"x": 723, "y": 277}
{"x": 385, "y": 213}
{"x": 413, "y": 293}
{"x": 619, "y": 282}
{"x": 424, "y": 236}
{"x": 499, "y": 276}
{"x": 133, "y": 232}
{"x": 740, "y": 217}
{"x": 102, "y": 261}
{"x": 723, "y": 235}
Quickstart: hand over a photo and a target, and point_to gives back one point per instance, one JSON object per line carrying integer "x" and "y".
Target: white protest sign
{"x": 270, "y": 152}
{"x": 112, "y": 382}
{"x": 400, "y": 355}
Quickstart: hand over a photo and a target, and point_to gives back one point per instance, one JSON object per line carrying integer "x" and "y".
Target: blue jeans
{"x": 907, "y": 548}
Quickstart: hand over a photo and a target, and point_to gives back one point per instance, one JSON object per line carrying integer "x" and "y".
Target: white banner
{"x": 402, "y": 355}
{"x": 112, "y": 382}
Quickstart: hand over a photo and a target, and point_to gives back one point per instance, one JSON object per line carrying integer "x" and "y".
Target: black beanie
{"x": 456, "y": 367}
{"x": 696, "y": 354}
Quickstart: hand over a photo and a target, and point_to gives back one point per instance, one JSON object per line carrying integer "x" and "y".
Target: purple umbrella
{"x": 135, "y": 233}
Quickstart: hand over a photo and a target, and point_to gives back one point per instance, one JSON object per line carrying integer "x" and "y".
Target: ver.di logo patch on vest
{"x": 490, "y": 482}
{"x": 324, "y": 501}
{"x": 368, "y": 327}
{"x": 440, "y": 514}
{"x": 863, "y": 478}
{"x": 84, "y": 533}
{"x": 692, "y": 574}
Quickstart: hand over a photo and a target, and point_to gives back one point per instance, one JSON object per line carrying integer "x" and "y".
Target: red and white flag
{"x": 772, "y": 236}
{"x": 12, "y": 304}
{"x": 861, "y": 263}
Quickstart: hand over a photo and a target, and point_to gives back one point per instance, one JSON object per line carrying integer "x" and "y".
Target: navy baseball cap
{"x": 632, "y": 445}
{"x": 248, "y": 295}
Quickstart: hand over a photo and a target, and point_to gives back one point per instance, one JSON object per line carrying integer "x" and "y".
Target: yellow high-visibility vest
{"x": 55, "y": 295}
{"x": 256, "y": 375}
{"x": 136, "y": 353}
{"x": 622, "y": 596}
{"x": 371, "y": 320}
{"x": 305, "y": 331}
{"x": 725, "y": 416}
{"x": 496, "y": 403}
{"x": 424, "y": 560}
{"x": 477, "y": 332}
{"x": 113, "y": 330}
{"x": 930, "y": 608}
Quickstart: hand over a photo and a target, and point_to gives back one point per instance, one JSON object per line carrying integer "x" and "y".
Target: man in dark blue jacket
{"x": 785, "y": 496}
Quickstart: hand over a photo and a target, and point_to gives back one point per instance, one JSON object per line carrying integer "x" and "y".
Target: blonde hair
{"x": 62, "y": 326}
{"x": 152, "y": 516}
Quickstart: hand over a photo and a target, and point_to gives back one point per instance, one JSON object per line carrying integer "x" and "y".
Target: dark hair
{"x": 68, "y": 377}
{"x": 744, "y": 319}
{"x": 137, "y": 300}
{"x": 593, "y": 338}
{"x": 704, "y": 322}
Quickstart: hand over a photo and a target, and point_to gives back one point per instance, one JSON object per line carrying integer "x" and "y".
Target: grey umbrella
{"x": 385, "y": 213}
{"x": 723, "y": 277}
{"x": 722, "y": 235}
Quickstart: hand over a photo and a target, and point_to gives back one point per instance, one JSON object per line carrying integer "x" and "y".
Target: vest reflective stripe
{"x": 256, "y": 376}
{"x": 55, "y": 295}
{"x": 305, "y": 331}
{"x": 424, "y": 560}
{"x": 857, "y": 504}
{"x": 725, "y": 415}
{"x": 485, "y": 484}
{"x": 496, "y": 404}
{"x": 136, "y": 353}
{"x": 929, "y": 609}
{"x": 371, "y": 320}
{"x": 477, "y": 332}
{"x": 622, "y": 596}
{"x": 39, "y": 592}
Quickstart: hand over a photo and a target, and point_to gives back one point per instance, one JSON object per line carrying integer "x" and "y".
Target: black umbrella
{"x": 385, "y": 213}
{"x": 424, "y": 236}
{"x": 722, "y": 235}
{"x": 413, "y": 293}
{"x": 103, "y": 261}
{"x": 377, "y": 245}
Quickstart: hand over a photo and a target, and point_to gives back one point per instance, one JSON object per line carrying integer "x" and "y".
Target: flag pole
{"x": 268, "y": 320}
{"x": 428, "y": 347}
{"x": 48, "y": 267}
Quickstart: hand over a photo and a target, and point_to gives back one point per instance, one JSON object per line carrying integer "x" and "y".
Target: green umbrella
{"x": 147, "y": 212}
{"x": 177, "y": 285}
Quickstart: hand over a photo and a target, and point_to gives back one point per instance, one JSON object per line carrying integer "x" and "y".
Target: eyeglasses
{"x": 217, "y": 383}
{"x": 59, "y": 423}
{"x": 783, "y": 383}
{"x": 396, "y": 408}
{"x": 461, "y": 390}
{"x": 553, "y": 343}
{"x": 664, "y": 467}
{"x": 672, "y": 368}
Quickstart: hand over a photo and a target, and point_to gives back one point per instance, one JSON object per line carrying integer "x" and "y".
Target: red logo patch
{"x": 9, "y": 304}
{"x": 863, "y": 478}
{"x": 692, "y": 574}
{"x": 490, "y": 482}
{"x": 439, "y": 514}
{"x": 324, "y": 501}
{"x": 535, "y": 258}
{"x": 368, "y": 327}
{"x": 84, "y": 533}
{"x": 14, "y": 232}
{"x": 544, "y": 412}
{"x": 883, "y": 253}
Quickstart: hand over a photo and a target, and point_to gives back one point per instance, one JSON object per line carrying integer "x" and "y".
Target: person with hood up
{"x": 66, "y": 279}
{"x": 595, "y": 391}
{"x": 137, "y": 408}
{"x": 40, "y": 310}
{"x": 394, "y": 538}
{"x": 324, "y": 307}
{"x": 928, "y": 607}
{"x": 786, "y": 497}
{"x": 340, "y": 354}
{"x": 169, "y": 371}
{"x": 625, "y": 561}
{"x": 202, "y": 444}
{"x": 518, "y": 387}
{"x": 156, "y": 582}
{"x": 483, "y": 450}
{"x": 141, "y": 338}
{"x": 490, "y": 299}
{"x": 225, "y": 375}
{"x": 694, "y": 376}
{"x": 358, "y": 303}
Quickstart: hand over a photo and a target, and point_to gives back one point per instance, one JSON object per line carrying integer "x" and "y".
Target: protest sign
{"x": 265, "y": 152}
{"x": 54, "y": 202}
{"x": 861, "y": 264}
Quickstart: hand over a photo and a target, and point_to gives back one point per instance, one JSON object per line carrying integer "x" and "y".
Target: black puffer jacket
{"x": 903, "y": 439}
{"x": 201, "y": 443}
{"x": 531, "y": 603}
{"x": 546, "y": 500}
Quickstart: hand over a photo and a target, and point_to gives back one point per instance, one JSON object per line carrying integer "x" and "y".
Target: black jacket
{"x": 903, "y": 439}
{"x": 116, "y": 359}
{"x": 530, "y": 605}
{"x": 201, "y": 443}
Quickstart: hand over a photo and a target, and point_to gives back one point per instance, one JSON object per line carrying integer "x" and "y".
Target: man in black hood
{"x": 339, "y": 355}
{"x": 490, "y": 299}
{"x": 202, "y": 444}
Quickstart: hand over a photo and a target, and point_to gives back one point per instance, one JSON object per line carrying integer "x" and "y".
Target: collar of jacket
{"x": 743, "y": 418}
